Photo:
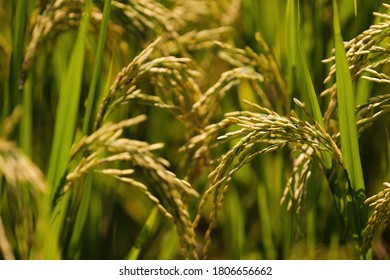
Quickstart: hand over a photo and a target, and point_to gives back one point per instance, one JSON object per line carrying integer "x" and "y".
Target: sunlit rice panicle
{"x": 15, "y": 166}
{"x": 377, "y": 107}
{"x": 18, "y": 168}
{"x": 195, "y": 40}
{"x": 232, "y": 13}
{"x": 365, "y": 54}
{"x": 204, "y": 13}
{"x": 140, "y": 16}
{"x": 295, "y": 190}
{"x": 273, "y": 86}
{"x": 172, "y": 77}
{"x": 187, "y": 65}
{"x": 9, "y": 124}
{"x": 104, "y": 148}
{"x": 381, "y": 215}
{"x": 60, "y": 15}
{"x": 257, "y": 133}
{"x": 22, "y": 187}
{"x": 367, "y": 114}
{"x": 207, "y": 105}
{"x": 126, "y": 76}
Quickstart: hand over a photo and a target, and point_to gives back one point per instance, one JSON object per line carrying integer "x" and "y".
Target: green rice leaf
{"x": 19, "y": 28}
{"x": 346, "y": 103}
{"x": 291, "y": 39}
{"x": 356, "y": 210}
{"x": 147, "y": 231}
{"x": 235, "y": 224}
{"x": 299, "y": 64}
{"x": 66, "y": 117}
{"x": 82, "y": 213}
{"x": 97, "y": 67}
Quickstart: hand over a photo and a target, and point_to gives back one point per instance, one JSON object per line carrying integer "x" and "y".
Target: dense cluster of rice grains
{"x": 140, "y": 129}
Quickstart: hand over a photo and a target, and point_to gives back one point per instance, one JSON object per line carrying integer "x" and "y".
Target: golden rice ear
{"x": 380, "y": 202}
{"x": 58, "y": 16}
{"x": 104, "y": 148}
{"x": 365, "y": 55}
{"x": 22, "y": 187}
{"x": 258, "y": 133}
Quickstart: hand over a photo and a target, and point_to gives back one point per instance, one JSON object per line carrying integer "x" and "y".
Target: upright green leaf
{"x": 81, "y": 217}
{"x": 299, "y": 69}
{"x": 348, "y": 134}
{"x": 19, "y": 28}
{"x": 235, "y": 224}
{"x": 66, "y": 117}
{"x": 26, "y": 126}
{"x": 146, "y": 232}
{"x": 346, "y": 106}
{"x": 98, "y": 66}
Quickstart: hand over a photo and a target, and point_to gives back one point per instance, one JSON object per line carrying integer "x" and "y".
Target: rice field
{"x": 194, "y": 129}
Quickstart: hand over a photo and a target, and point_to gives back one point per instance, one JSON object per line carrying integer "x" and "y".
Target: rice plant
{"x": 172, "y": 129}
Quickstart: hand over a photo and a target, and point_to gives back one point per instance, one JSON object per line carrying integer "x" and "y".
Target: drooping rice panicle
{"x": 380, "y": 202}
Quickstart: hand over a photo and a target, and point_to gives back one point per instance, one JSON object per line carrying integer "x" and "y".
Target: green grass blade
{"x": 291, "y": 43}
{"x": 348, "y": 133}
{"x": 26, "y": 126}
{"x": 171, "y": 245}
{"x": 235, "y": 224}
{"x": 296, "y": 56}
{"x": 299, "y": 64}
{"x": 265, "y": 222}
{"x": 98, "y": 65}
{"x": 147, "y": 231}
{"x": 269, "y": 190}
{"x": 45, "y": 245}
{"x": 81, "y": 217}
{"x": 19, "y": 28}
{"x": 346, "y": 103}
{"x": 66, "y": 117}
